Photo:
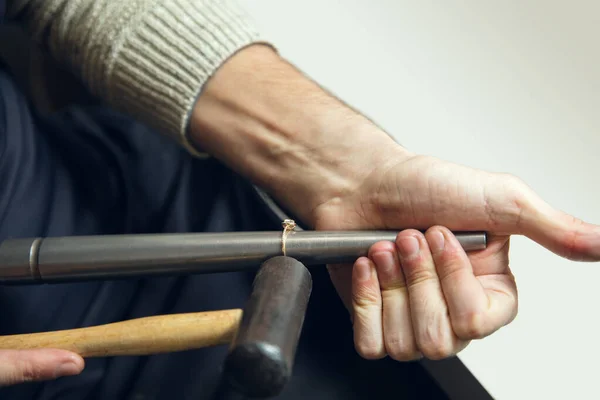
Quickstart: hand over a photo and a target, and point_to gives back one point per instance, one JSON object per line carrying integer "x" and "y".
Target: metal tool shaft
{"x": 77, "y": 258}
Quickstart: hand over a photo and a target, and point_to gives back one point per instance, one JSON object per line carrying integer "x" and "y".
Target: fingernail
{"x": 363, "y": 271}
{"x": 67, "y": 369}
{"x": 436, "y": 241}
{"x": 408, "y": 246}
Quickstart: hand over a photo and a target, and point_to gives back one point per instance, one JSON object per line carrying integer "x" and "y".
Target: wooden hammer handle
{"x": 136, "y": 337}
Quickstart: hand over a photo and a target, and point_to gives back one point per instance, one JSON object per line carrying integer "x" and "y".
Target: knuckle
{"x": 472, "y": 326}
{"x": 517, "y": 191}
{"x": 366, "y": 298}
{"x": 450, "y": 268}
{"x": 393, "y": 287}
{"x": 512, "y": 185}
{"x": 571, "y": 240}
{"x": 400, "y": 349}
{"x": 436, "y": 345}
{"x": 390, "y": 294}
{"x": 26, "y": 371}
{"x": 450, "y": 254}
{"x": 418, "y": 275}
{"x": 369, "y": 350}
{"x": 438, "y": 350}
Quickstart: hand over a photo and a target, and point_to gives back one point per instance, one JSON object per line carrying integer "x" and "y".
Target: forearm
{"x": 192, "y": 69}
{"x": 271, "y": 123}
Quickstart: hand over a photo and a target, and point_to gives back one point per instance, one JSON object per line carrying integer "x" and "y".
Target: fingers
{"x": 422, "y": 297}
{"x": 474, "y": 314}
{"x": 432, "y": 327}
{"x": 18, "y": 366}
{"x": 399, "y": 340}
{"x": 366, "y": 310}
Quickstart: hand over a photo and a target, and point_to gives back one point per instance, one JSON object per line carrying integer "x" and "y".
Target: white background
{"x": 510, "y": 86}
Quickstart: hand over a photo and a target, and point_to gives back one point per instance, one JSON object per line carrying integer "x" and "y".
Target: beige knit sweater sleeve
{"x": 148, "y": 58}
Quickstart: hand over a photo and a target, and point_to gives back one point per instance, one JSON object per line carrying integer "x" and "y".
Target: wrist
{"x": 268, "y": 122}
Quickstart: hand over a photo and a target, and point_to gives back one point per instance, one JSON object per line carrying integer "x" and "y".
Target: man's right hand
{"x": 19, "y": 366}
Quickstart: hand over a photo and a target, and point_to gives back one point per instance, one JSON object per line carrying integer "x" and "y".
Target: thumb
{"x": 19, "y": 366}
{"x": 561, "y": 233}
{"x": 556, "y": 230}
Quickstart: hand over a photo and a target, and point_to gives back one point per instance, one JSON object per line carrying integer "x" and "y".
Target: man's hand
{"x": 335, "y": 170}
{"x": 426, "y": 296}
{"x": 19, "y": 366}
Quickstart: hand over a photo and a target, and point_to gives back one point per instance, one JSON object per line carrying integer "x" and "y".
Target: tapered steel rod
{"x": 77, "y": 258}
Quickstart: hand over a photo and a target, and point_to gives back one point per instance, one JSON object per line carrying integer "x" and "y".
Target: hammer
{"x": 262, "y": 337}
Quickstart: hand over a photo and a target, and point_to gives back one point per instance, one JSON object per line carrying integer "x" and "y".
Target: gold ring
{"x": 289, "y": 225}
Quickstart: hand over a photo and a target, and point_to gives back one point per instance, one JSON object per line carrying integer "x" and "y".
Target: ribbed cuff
{"x": 167, "y": 56}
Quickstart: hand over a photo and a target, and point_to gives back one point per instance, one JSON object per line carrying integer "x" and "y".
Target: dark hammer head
{"x": 261, "y": 357}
